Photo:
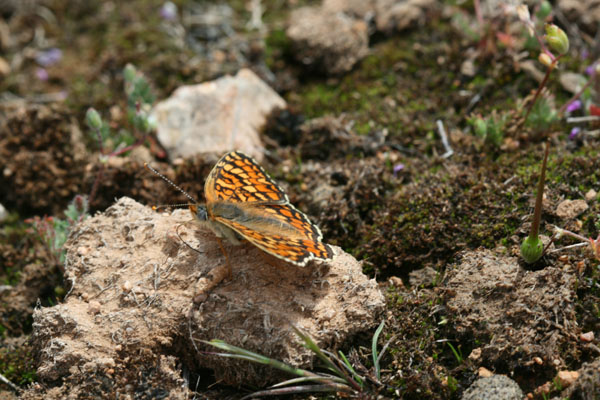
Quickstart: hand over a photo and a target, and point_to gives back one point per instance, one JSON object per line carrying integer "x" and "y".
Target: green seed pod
{"x": 545, "y": 10}
{"x": 531, "y": 249}
{"x": 93, "y": 119}
{"x": 557, "y": 39}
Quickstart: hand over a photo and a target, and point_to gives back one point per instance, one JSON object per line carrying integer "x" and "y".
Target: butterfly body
{"x": 243, "y": 202}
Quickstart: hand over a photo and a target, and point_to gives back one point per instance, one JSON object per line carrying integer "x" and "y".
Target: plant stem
{"x": 539, "y": 89}
{"x": 537, "y": 214}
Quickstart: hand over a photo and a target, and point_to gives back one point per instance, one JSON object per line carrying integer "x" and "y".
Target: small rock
{"x": 475, "y": 354}
{"x": 538, "y": 360}
{"x": 484, "y": 372}
{"x": 587, "y": 337}
{"x": 332, "y": 42}
{"x": 127, "y": 286}
{"x": 588, "y": 384}
{"x": 396, "y": 282}
{"x": 543, "y": 390}
{"x": 217, "y": 116}
{"x": 3, "y": 213}
{"x": 467, "y": 68}
{"x": 569, "y": 209}
{"x": 567, "y": 378}
{"x": 591, "y": 195}
{"x": 94, "y": 307}
{"x": 395, "y": 15}
{"x": 497, "y": 387}
{"x": 4, "y": 68}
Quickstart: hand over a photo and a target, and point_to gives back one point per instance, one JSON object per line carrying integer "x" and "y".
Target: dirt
{"x": 437, "y": 238}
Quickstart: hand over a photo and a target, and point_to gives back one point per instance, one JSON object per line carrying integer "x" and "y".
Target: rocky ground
{"x": 399, "y": 127}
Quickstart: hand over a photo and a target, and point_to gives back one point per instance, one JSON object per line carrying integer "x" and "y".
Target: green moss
{"x": 17, "y": 365}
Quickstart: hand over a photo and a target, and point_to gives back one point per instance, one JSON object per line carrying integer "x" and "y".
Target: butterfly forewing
{"x": 238, "y": 178}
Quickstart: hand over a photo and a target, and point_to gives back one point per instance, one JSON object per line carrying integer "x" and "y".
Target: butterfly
{"x": 244, "y": 202}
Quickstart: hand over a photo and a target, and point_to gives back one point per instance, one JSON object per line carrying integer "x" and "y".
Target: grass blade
{"x": 374, "y": 349}
{"x": 243, "y": 354}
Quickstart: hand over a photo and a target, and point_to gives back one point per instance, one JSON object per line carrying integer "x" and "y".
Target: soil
{"x": 437, "y": 236}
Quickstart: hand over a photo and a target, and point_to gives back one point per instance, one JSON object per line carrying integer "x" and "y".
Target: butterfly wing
{"x": 238, "y": 178}
{"x": 296, "y": 250}
{"x": 240, "y": 195}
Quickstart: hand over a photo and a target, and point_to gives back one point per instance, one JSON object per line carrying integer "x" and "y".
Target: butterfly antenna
{"x": 157, "y": 207}
{"x": 170, "y": 182}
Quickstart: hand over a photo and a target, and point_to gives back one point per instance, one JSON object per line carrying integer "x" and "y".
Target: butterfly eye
{"x": 199, "y": 212}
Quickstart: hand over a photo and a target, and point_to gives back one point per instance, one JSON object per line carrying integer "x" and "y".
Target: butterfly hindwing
{"x": 298, "y": 251}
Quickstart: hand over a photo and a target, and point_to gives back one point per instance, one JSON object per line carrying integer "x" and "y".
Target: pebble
{"x": 587, "y": 337}
{"x": 567, "y": 378}
{"x": 3, "y": 213}
{"x": 591, "y": 195}
{"x": 94, "y": 307}
{"x": 568, "y": 209}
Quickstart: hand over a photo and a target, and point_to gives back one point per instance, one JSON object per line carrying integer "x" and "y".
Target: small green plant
{"x": 555, "y": 40}
{"x": 532, "y": 247}
{"x": 457, "y": 353}
{"x": 490, "y": 129}
{"x": 139, "y": 120}
{"x": 341, "y": 377}
{"x": 53, "y": 232}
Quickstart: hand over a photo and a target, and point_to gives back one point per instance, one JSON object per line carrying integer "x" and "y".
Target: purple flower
{"x": 397, "y": 168}
{"x": 585, "y": 54}
{"x": 574, "y": 105}
{"x": 574, "y": 132}
{"x": 46, "y": 58}
{"x": 168, "y": 11}
{"x": 41, "y": 74}
{"x": 591, "y": 69}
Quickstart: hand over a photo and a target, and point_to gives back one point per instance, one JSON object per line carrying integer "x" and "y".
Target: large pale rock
{"x": 328, "y": 41}
{"x": 216, "y": 117}
{"x": 131, "y": 306}
{"x": 389, "y": 15}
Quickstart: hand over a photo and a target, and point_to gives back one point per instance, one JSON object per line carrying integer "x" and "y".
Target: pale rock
{"x": 217, "y": 116}
{"x": 499, "y": 387}
{"x": 591, "y": 195}
{"x": 569, "y": 209}
{"x": 332, "y": 42}
{"x": 395, "y": 15}
{"x": 567, "y": 378}
{"x": 3, "y": 213}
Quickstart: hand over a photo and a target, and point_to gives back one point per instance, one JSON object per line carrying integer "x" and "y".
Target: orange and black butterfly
{"x": 243, "y": 202}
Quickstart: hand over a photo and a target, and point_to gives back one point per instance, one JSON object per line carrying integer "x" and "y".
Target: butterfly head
{"x": 199, "y": 212}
